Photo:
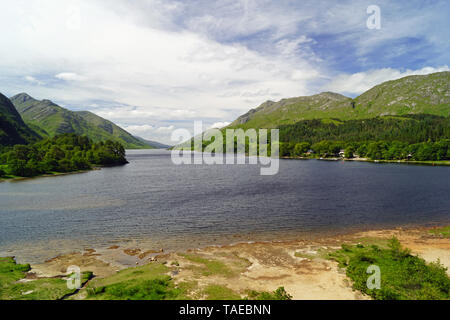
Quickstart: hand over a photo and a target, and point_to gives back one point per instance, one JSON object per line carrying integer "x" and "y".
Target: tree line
{"x": 415, "y": 137}
{"x": 63, "y": 153}
{"x": 375, "y": 150}
{"x": 418, "y": 137}
{"x": 409, "y": 128}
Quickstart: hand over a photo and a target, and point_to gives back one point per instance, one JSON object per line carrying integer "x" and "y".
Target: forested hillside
{"x": 409, "y": 129}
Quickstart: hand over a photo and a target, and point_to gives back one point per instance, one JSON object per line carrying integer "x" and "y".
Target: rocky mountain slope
{"x": 13, "y": 129}
{"x": 49, "y": 119}
{"x": 428, "y": 94}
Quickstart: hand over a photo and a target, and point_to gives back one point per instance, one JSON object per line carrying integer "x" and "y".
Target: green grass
{"x": 161, "y": 288}
{"x": 10, "y": 271}
{"x": 445, "y": 231}
{"x": 149, "y": 282}
{"x": 216, "y": 292}
{"x": 210, "y": 267}
{"x": 148, "y": 272}
{"x": 403, "y": 276}
{"x": 39, "y": 289}
{"x": 331, "y": 121}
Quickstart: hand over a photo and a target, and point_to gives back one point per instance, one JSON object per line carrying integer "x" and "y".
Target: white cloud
{"x": 33, "y": 80}
{"x": 149, "y": 132}
{"x": 360, "y": 82}
{"x": 69, "y": 76}
{"x": 182, "y": 114}
{"x": 169, "y": 128}
{"x": 125, "y": 114}
{"x": 120, "y": 58}
{"x": 219, "y": 125}
{"x": 161, "y": 60}
{"x": 139, "y": 128}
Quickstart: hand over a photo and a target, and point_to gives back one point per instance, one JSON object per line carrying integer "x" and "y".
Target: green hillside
{"x": 49, "y": 120}
{"x": 13, "y": 130}
{"x": 129, "y": 141}
{"x": 154, "y": 144}
{"x": 429, "y": 94}
{"x": 409, "y": 129}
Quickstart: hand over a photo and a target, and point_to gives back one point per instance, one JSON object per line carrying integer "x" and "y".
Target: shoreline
{"x": 298, "y": 265}
{"x": 440, "y": 163}
{"x": 47, "y": 175}
{"x": 407, "y": 162}
{"x": 42, "y": 251}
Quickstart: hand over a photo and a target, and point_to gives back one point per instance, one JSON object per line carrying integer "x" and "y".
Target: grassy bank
{"x": 149, "y": 282}
{"x": 403, "y": 275}
{"x": 442, "y": 232}
{"x": 307, "y": 269}
{"x": 17, "y": 284}
{"x": 154, "y": 281}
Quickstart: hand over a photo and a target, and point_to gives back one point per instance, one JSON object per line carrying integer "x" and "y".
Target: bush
{"x": 155, "y": 289}
{"x": 403, "y": 276}
{"x": 279, "y": 294}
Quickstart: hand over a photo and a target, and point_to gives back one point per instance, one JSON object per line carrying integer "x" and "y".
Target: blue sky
{"x": 153, "y": 66}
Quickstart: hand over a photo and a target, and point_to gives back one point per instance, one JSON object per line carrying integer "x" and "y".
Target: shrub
{"x": 403, "y": 276}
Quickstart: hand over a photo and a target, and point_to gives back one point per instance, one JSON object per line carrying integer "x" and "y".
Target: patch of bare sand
{"x": 299, "y": 266}
{"x": 85, "y": 261}
{"x": 273, "y": 265}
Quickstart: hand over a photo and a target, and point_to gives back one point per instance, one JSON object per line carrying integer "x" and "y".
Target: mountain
{"x": 154, "y": 144}
{"x": 49, "y": 119}
{"x": 13, "y": 129}
{"x": 428, "y": 94}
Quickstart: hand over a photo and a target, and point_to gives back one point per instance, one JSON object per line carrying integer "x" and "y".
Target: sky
{"x": 154, "y": 66}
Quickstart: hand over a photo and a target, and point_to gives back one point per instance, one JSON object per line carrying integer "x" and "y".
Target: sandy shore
{"x": 299, "y": 266}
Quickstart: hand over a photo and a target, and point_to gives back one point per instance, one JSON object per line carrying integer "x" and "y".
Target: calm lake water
{"x": 154, "y": 203}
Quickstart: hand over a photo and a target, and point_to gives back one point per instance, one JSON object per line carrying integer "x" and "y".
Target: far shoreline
{"x": 407, "y": 162}
{"x": 442, "y": 163}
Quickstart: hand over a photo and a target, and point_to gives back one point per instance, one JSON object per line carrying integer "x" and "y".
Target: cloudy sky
{"x": 152, "y": 66}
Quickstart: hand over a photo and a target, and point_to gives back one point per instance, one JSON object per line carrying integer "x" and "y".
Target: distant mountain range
{"x": 428, "y": 94}
{"x": 48, "y": 119}
{"x": 154, "y": 144}
{"x": 24, "y": 119}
